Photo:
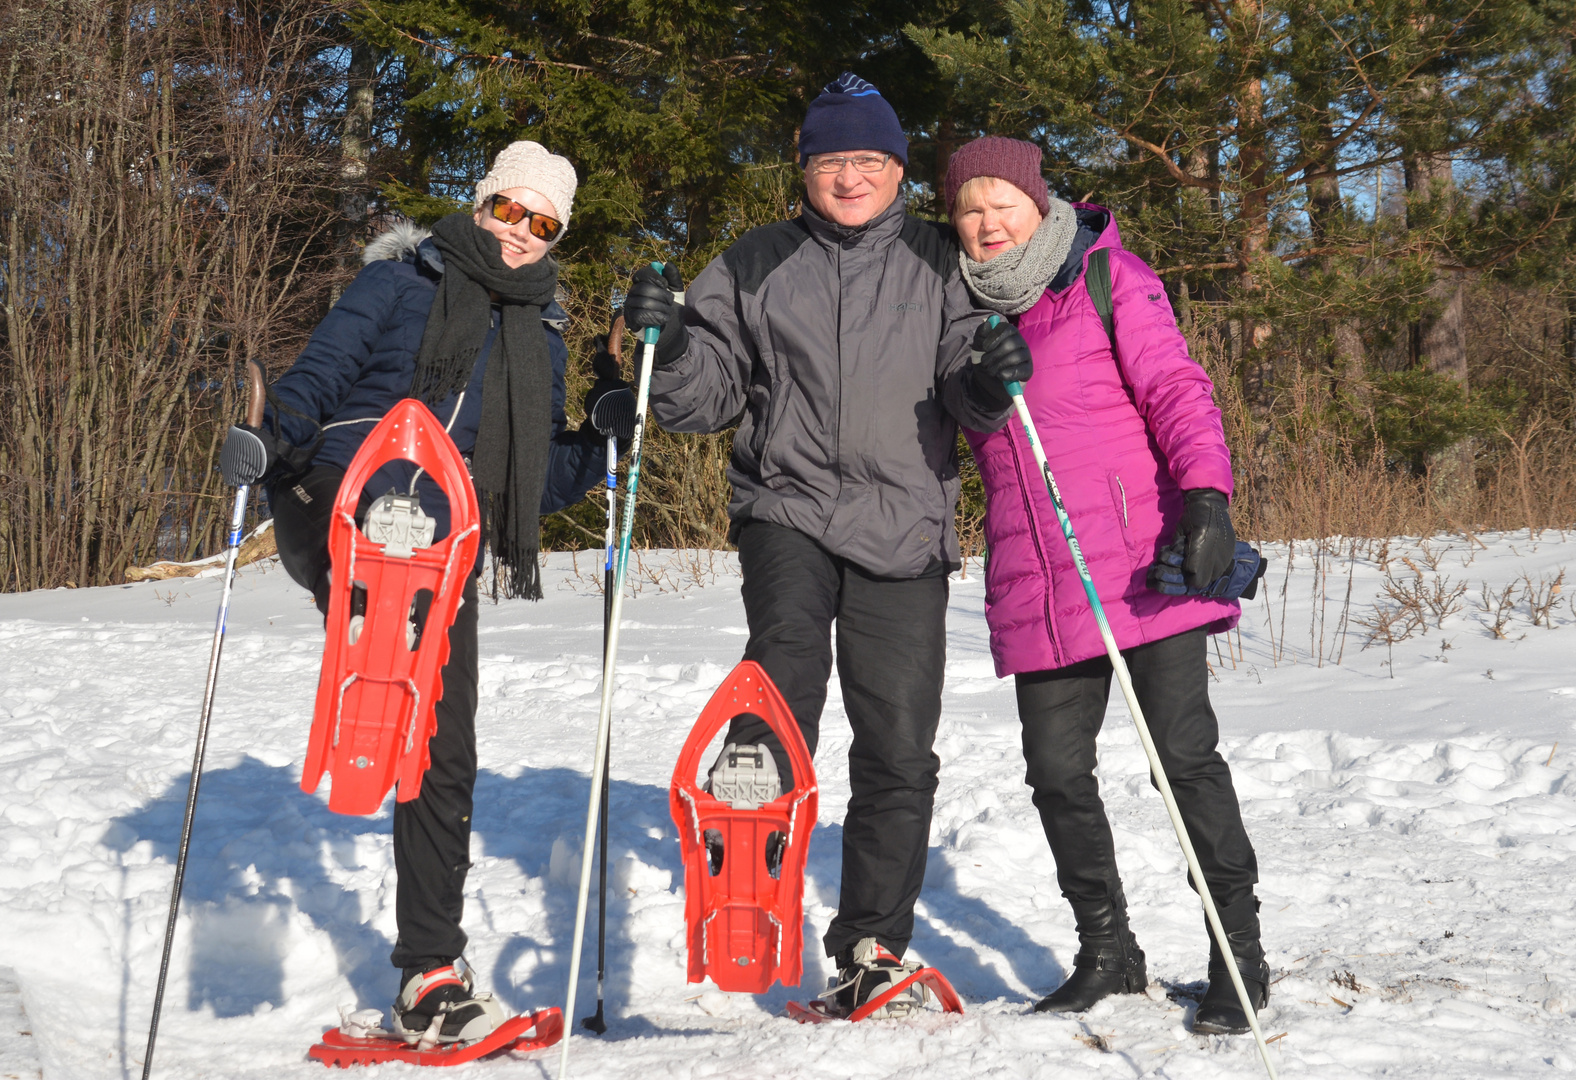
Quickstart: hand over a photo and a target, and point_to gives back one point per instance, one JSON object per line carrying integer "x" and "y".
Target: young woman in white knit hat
{"x": 464, "y": 318}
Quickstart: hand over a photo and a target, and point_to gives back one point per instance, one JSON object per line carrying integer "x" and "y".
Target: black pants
{"x": 891, "y": 651}
{"x": 1062, "y": 711}
{"x": 432, "y": 833}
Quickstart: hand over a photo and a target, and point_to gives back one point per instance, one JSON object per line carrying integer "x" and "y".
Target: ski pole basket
{"x": 393, "y": 598}
{"x": 744, "y": 868}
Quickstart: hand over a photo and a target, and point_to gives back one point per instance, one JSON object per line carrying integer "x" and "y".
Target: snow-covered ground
{"x": 1411, "y": 810}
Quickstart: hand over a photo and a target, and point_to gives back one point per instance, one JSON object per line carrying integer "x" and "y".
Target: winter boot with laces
{"x": 440, "y": 1005}
{"x": 866, "y": 971}
{"x": 1220, "y": 1012}
{"x": 1108, "y": 962}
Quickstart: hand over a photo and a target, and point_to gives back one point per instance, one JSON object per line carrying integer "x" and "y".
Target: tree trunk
{"x": 1252, "y": 163}
{"x": 355, "y": 153}
{"x": 1440, "y": 340}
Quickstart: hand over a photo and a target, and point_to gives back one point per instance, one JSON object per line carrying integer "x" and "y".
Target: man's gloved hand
{"x": 1000, "y": 356}
{"x": 651, "y": 303}
{"x": 247, "y": 455}
{"x": 1208, "y": 542}
{"x": 610, "y": 403}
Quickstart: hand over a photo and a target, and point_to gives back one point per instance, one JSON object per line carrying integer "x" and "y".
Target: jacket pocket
{"x": 1123, "y": 507}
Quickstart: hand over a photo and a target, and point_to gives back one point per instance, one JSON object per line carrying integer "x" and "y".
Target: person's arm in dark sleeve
{"x": 702, "y": 389}
{"x": 576, "y": 458}
{"x": 319, "y": 381}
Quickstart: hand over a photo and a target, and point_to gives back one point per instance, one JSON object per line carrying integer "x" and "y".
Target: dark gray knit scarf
{"x": 510, "y": 460}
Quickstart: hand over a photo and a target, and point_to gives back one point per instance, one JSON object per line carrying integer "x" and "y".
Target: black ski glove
{"x": 610, "y": 403}
{"x": 1000, "y": 356}
{"x": 651, "y": 303}
{"x": 247, "y": 455}
{"x": 1207, "y": 541}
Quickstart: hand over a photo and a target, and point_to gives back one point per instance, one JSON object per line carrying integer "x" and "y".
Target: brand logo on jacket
{"x": 912, "y": 305}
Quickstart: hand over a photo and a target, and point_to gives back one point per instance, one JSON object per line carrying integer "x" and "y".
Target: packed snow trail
{"x": 1415, "y": 835}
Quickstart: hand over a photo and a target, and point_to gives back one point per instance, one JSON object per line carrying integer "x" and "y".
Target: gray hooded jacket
{"x": 843, "y": 355}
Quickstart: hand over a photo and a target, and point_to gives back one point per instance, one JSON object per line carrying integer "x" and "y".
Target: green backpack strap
{"x": 1097, "y": 279}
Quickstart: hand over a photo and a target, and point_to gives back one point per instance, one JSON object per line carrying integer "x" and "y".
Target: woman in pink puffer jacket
{"x": 1135, "y": 443}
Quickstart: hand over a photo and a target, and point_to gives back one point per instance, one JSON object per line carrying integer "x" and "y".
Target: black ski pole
{"x": 615, "y": 341}
{"x": 598, "y": 1023}
{"x": 247, "y": 467}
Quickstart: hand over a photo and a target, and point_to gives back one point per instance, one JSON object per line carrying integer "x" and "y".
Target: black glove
{"x": 1000, "y": 356}
{"x": 1209, "y": 543}
{"x": 610, "y": 403}
{"x": 248, "y": 454}
{"x": 651, "y": 303}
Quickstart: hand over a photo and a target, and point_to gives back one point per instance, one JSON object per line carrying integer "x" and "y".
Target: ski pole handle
{"x": 259, "y": 393}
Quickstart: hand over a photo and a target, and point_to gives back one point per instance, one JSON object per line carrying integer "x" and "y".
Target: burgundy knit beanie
{"x": 1012, "y": 160}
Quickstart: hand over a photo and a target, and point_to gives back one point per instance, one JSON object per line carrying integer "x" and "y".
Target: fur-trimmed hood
{"x": 398, "y": 242}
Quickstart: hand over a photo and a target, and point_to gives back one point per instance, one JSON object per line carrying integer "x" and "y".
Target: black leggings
{"x": 432, "y": 833}
{"x": 1062, "y": 711}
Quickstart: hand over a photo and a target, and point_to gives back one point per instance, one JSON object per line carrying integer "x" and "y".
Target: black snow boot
{"x": 1220, "y": 1012}
{"x": 1109, "y": 960}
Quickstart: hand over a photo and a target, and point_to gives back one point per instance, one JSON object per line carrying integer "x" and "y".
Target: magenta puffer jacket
{"x": 1125, "y": 435}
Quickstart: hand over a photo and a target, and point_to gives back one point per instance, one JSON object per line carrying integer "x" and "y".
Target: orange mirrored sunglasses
{"x": 510, "y": 212}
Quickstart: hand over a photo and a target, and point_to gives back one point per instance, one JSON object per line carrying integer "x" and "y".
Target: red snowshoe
{"x": 819, "y": 1011}
{"x": 744, "y": 858}
{"x": 382, "y": 660}
{"x": 358, "y": 1044}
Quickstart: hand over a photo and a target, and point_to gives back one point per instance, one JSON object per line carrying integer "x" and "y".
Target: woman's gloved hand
{"x": 1205, "y": 538}
{"x": 610, "y": 403}
{"x": 247, "y": 455}
{"x": 1000, "y": 356}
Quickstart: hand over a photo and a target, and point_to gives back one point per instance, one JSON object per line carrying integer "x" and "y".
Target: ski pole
{"x": 1126, "y": 682}
{"x": 609, "y": 657}
{"x": 598, "y": 1022}
{"x": 253, "y": 471}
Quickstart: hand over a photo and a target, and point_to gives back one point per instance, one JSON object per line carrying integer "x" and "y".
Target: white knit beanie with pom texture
{"x": 531, "y": 165}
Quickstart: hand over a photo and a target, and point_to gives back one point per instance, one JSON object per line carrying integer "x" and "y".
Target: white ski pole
{"x": 609, "y": 657}
{"x": 253, "y": 470}
{"x": 1126, "y": 682}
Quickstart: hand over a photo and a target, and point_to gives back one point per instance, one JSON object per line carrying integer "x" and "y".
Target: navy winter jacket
{"x": 361, "y": 360}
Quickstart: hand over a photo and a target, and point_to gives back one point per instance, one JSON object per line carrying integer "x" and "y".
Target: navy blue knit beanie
{"x": 851, "y": 114}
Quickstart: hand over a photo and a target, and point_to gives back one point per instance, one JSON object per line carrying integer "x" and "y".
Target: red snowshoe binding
{"x": 744, "y": 843}
{"x": 381, "y": 662}
{"x": 361, "y": 1040}
{"x": 876, "y": 984}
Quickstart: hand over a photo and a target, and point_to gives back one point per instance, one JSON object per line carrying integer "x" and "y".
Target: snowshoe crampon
{"x": 744, "y": 868}
{"x": 393, "y": 599}
{"x": 374, "y": 1046}
{"x": 820, "y": 1011}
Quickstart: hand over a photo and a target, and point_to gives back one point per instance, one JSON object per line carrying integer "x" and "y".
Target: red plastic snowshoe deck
{"x": 337, "y": 1048}
{"x": 745, "y": 927}
{"x": 819, "y": 1012}
{"x": 375, "y": 697}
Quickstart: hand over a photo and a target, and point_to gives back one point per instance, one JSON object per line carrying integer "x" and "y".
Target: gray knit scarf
{"x": 1014, "y": 281}
{"x": 510, "y": 459}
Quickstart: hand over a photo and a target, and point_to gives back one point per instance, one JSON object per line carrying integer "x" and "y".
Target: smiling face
{"x": 520, "y": 248}
{"x": 850, "y": 197}
{"x": 993, "y": 216}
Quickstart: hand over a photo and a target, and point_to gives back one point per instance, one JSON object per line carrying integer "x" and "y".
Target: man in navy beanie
{"x": 840, "y": 344}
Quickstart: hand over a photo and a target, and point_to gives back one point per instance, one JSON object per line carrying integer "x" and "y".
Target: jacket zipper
{"x": 1039, "y": 546}
{"x": 1123, "y": 490}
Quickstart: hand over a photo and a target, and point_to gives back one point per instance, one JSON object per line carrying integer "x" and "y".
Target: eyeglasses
{"x": 542, "y": 227}
{"x": 834, "y": 163}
